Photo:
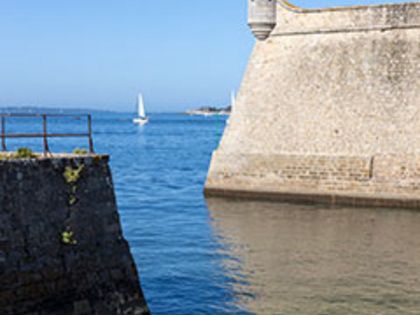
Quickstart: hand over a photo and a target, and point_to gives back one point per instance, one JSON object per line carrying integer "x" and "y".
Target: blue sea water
{"x": 159, "y": 173}
{"x": 216, "y": 256}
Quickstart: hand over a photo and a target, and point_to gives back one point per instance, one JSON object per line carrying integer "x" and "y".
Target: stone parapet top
{"x": 290, "y": 6}
{"x": 294, "y": 20}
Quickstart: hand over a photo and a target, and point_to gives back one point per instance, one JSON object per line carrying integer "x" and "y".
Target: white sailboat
{"x": 232, "y": 100}
{"x": 142, "y": 119}
{"x": 232, "y": 105}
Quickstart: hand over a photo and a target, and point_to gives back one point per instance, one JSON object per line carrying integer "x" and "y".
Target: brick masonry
{"x": 41, "y": 271}
{"x": 329, "y": 106}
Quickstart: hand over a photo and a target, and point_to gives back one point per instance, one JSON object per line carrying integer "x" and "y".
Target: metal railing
{"x": 45, "y": 135}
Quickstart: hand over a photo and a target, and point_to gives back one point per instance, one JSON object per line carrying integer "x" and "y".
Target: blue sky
{"x": 100, "y": 53}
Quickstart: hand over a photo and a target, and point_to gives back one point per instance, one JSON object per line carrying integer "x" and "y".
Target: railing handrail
{"x": 40, "y": 115}
{"x": 45, "y": 135}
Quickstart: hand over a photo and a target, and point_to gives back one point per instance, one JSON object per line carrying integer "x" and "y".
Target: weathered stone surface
{"x": 329, "y": 105}
{"x": 93, "y": 272}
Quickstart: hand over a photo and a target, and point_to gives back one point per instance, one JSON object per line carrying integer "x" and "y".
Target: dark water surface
{"x": 224, "y": 257}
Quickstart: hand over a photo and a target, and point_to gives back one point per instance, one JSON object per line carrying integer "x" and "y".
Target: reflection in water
{"x": 294, "y": 259}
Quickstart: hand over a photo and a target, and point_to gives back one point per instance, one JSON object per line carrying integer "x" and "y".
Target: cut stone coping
{"x": 53, "y": 156}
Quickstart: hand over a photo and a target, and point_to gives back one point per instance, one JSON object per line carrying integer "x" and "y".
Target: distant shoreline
{"x": 55, "y": 110}
{"x": 35, "y": 109}
{"x": 80, "y": 111}
{"x": 209, "y": 111}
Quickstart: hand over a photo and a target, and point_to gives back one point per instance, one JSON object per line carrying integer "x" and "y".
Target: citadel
{"x": 328, "y": 110}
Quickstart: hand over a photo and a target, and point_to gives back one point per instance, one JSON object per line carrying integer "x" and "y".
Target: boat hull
{"x": 140, "y": 121}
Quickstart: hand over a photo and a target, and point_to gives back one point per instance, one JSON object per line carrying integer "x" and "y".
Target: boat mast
{"x": 232, "y": 99}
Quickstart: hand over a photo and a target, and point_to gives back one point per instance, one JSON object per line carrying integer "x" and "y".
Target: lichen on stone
{"x": 67, "y": 238}
{"x": 21, "y": 153}
{"x": 72, "y": 175}
{"x": 24, "y": 153}
{"x": 80, "y": 151}
{"x": 72, "y": 200}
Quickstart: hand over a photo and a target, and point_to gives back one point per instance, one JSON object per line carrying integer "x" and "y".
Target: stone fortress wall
{"x": 62, "y": 251}
{"x": 329, "y": 108}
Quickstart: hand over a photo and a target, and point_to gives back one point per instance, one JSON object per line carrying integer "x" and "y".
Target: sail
{"x": 232, "y": 99}
{"x": 140, "y": 104}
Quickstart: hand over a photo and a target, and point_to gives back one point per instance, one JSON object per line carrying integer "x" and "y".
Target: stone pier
{"x": 62, "y": 251}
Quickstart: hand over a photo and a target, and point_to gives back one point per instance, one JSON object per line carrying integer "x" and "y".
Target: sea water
{"x": 217, "y": 256}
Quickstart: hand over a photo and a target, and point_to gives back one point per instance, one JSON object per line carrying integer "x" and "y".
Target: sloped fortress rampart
{"x": 329, "y": 108}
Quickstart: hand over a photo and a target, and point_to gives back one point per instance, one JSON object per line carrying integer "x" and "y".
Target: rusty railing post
{"x": 3, "y": 133}
{"x": 45, "y": 135}
{"x": 89, "y": 117}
